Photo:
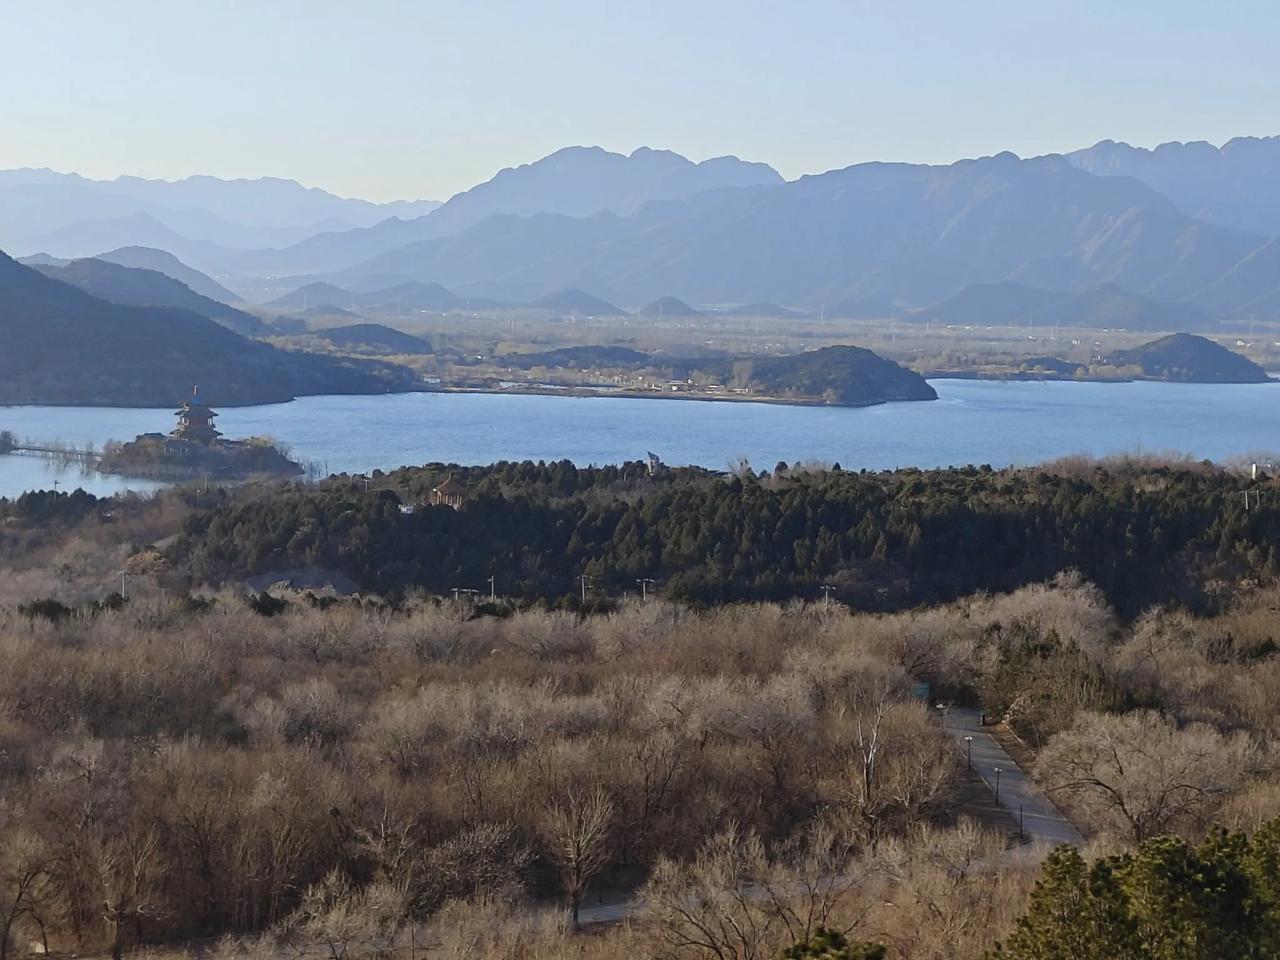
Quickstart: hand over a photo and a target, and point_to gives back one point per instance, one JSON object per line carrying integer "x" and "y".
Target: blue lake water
{"x": 972, "y": 422}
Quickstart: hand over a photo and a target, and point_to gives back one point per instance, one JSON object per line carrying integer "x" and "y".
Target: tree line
{"x": 880, "y": 541}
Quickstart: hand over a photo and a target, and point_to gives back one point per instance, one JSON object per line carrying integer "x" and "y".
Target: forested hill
{"x": 61, "y": 345}
{"x": 845, "y": 375}
{"x": 883, "y": 541}
{"x": 1191, "y": 359}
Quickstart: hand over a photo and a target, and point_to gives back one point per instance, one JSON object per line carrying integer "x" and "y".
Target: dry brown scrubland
{"x": 313, "y": 783}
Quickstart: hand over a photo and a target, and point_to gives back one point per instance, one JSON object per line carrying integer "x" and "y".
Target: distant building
{"x": 448, "y": 494}
{"x": 195, "y": 422}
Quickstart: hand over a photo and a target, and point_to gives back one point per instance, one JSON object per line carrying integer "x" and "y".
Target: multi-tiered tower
{"x": 195, "y": 422}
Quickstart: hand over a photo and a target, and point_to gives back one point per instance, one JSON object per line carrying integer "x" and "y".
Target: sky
{"x": 395, "y": 99}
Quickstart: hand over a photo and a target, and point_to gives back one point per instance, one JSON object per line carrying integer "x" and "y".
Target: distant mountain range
{"x": 575, "y": 182}
{"x": 1236, "y": 186}
{"x": 1180, "y": 237}
{"x": 900, "y": 234}
{"x": 72, "y": 216}
{"x": 63, "y": 346}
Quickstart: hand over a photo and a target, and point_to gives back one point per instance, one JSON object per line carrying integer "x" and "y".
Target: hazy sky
{"x": 391, "y": 98}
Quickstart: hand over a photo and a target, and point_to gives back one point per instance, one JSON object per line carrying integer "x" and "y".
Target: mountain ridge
{"x": 574, "y": 181}
{"x": 896, "y": 233}
{"x": 63, "y": 346}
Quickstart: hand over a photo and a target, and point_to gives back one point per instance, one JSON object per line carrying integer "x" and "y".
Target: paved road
{"x": 1041, "y": 820}
{"x": 1042, "y": 823}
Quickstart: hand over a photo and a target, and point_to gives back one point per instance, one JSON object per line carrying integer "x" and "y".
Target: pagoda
{"x": 195, "y": 422}
{"x": 449, "y": 494}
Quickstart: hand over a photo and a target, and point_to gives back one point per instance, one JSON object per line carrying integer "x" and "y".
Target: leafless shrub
{"x": 1141, "y": 775}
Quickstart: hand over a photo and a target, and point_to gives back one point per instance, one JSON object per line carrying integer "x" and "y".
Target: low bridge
{"x": 63, "y": 452}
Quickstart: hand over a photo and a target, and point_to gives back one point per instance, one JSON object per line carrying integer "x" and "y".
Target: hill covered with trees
{"x": 844, "y": 375}
{"x": 145, "y": 287}
{"x": 1186, "y": 358}
{"x": 60, "y": 345}
{"x": 880, "y": 540}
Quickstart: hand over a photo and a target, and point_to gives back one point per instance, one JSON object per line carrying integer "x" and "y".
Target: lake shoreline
{"x": 612, "y": 394}
{"x": 550, "y": 390}
{"x": 1001, "y": 423}
{"x": 1022, "y": 376}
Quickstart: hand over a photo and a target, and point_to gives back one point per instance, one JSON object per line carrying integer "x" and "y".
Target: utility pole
{"x": 644, "y": 586}
{"x": 583, "y": 578}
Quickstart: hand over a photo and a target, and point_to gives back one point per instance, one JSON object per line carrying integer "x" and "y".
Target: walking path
{"x": 1016, "y": 792}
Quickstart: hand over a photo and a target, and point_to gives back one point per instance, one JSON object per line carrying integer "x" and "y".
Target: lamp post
{"x": 999, "y": 770}
{"x": 969, "y": 743}
{"x": 645, "y": 583}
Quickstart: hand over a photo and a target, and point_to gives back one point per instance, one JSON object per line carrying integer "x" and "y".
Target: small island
{"x": 1186, "y": 358}
{"x": 839, "y": 375}
{"x": 1177, "y": 358}
{"x": 196, "y": 449}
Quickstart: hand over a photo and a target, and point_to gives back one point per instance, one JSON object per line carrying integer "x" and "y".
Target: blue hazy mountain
{"x": 149, "y": 258}
{"x": 1236, "y": 185}
{"x": 139, "y": 287}
{"x": 1009, "y": 303}
{"x": 578, "y": 302}
{"x": 900, "y": 234}
{"x": 668, "y": 307}
{"x": 573, "y": 182}
{"x": 73, "y": 216}
{"x": 65, "y": 346}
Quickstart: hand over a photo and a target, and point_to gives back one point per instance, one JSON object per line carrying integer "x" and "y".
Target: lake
{"x": 972, "y": 422}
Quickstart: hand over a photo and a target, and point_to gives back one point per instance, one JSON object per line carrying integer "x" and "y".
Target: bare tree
{"x": 577, "y": 833}
{"x": 735, "y": 902}
{"x": 1141, "y": 774}
{"x": 128, "y": 871}
{"x": 23, "y": 874}
{"x": 337, "y": 919}
{"x": 894, "y": 764}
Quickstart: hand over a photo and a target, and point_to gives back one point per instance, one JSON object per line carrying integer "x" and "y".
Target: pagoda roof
{"x": 450, "y": 487}
{"x": 189, "y": 407}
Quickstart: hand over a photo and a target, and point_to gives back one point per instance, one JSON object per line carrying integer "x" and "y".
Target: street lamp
{"x": 969, "y": 743}
{"x": 999, "y": 770}
{"x": 645, "y": 584}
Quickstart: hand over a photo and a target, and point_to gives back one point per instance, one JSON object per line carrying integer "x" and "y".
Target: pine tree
{"x": 1075, "y": 913}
